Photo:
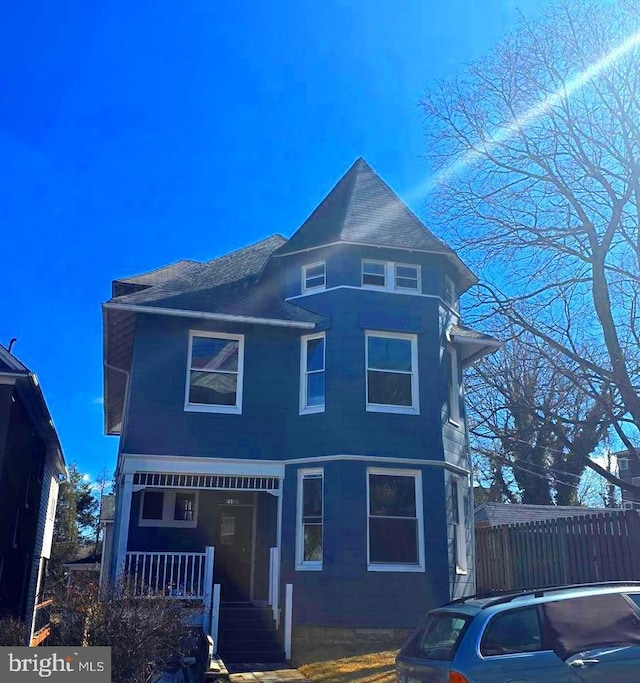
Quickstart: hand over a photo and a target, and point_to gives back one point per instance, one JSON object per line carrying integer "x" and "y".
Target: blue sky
{"x": 135, "y": 134}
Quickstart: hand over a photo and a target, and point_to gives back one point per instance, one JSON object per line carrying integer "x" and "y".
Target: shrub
{"x": 13, "y": 631}
{"x": 145, "y": 634}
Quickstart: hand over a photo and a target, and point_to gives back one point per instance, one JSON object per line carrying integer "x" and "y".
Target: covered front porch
{"x": 209, "y": 540}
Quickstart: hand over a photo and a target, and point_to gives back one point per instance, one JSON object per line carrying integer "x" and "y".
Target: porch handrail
{"x": 178, "y": 575}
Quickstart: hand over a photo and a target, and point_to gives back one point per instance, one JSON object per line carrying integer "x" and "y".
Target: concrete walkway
{"x": 264, "y": 673}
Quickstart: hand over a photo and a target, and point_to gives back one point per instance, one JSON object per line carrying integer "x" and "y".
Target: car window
{"x": 438, "y": 637}
{"x": 635, "y": 598}
{"x": 512, "y": 632}
{"x": 581, "y": 623}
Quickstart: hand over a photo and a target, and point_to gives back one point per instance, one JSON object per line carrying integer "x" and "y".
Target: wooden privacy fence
{"x": 587, "y": 548}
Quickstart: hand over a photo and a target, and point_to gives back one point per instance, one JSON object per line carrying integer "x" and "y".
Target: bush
{"x": 145, "y": 634}
{"x": 12, "y": 631}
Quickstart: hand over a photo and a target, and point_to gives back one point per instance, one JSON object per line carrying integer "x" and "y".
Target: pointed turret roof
{"x": 363, "y": 209}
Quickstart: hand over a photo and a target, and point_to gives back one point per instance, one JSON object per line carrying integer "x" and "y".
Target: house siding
{"x": 23, "y": 452}
{"x": 270, "y": 427}
{"x": 345, "y": 593}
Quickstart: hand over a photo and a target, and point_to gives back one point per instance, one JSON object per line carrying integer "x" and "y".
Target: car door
{"x": 597, "y": 636}
{"x": 513, "y": 648}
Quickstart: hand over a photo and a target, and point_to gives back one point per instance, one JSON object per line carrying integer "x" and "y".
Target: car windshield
{"x": 440, "y": 635}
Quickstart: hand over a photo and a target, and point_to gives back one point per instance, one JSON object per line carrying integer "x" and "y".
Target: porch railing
{"x": 172, "y": 575}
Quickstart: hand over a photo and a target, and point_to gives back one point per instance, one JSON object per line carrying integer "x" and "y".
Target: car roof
{"x": 473, "y": 604}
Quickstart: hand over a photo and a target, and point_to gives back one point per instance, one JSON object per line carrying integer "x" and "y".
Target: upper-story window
{"x": 450, "y": 293}
{"x": 623, "y": 464}
{"x": 390, "y": 276}
{"x": 453, "y": 398}
{"x": 214, "y": 374}
{"x": 392, "y": 372}
{"x": 312, "y": 366}
{"x": 314, "y": 276}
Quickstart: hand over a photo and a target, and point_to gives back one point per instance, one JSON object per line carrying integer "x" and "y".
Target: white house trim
{"x": 203, "y": 315}
{"x": 368, "y": 288}
{"x": 183, "y": 464}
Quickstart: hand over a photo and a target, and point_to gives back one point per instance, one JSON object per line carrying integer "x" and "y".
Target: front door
{"x": 233, "y": 555}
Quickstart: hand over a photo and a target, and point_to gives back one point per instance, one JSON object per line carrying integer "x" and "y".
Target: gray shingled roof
{"x": 497, "y": 514}
{"x": 473, "y": 344}
{"x": 363, "y": 209}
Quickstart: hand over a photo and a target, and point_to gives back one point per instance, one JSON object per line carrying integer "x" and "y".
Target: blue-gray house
{"x": 291, "y": 422}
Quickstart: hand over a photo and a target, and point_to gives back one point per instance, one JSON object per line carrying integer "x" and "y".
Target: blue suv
{"x": 569, "y": 634}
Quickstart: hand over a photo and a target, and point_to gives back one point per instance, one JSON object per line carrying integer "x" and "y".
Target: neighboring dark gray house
{"x": 497, "y": 514}
{"x": 31, "y": 466}
{"x": 291, "y": 421}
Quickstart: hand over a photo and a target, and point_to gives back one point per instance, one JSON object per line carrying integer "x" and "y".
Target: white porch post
{"x": 208, "y": 585}
{"x": 274, "y": 582}
{"x": 215, "y": 617}
{"x": 288, "y": 619}
{"x": 123, "y": 530}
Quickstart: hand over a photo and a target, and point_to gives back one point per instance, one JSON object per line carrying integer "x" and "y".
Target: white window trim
{"x": 304, "y": 408}
{"x": 461, "y": 535}
{"x": 168, "y": 507}
{"x": 393, "y": 567}
{"x": 301, "y": 564}
{"x": 390, "y": 277}
{"x": 452, "y": 286}
{"x": 414, "y": 408}
{"x": 453, "y": 387}
{"x": 211, "y": 408}
{"x": 307, "y": 267}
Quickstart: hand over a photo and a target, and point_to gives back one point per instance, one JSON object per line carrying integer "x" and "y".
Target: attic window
{"x": 314, "y": 276}
{"x": 390, "y": 276}
{"x": 449, "y": 292}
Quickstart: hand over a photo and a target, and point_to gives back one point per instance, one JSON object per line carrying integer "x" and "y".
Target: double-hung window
{"x": 314, "y": 276}
{"x": 214, "y": 376}
{"x": 450, "y": 293}
{"x": 392, "y": 372}
{"x": 453, "y": 398}
{"x": 312, "y": 373}
{"x": 310, "y": 511}
{"x": 390, "y": 276}
{"x": 459, "y": 526}
{"x": 395, "y": 524}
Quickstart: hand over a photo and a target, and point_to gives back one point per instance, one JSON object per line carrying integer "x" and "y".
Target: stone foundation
{"x": 350, "y": 640}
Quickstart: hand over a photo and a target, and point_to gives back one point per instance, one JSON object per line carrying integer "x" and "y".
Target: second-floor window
{"x": 214, "y": 381}
{"x": 392, "y": 372}
{"x": 312, "y": 371}
{"x": 390, "y": 276}
{"x": 623, "y": 464}
{"x": 450, "y": 293}
{"x": 314, "y": 277}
